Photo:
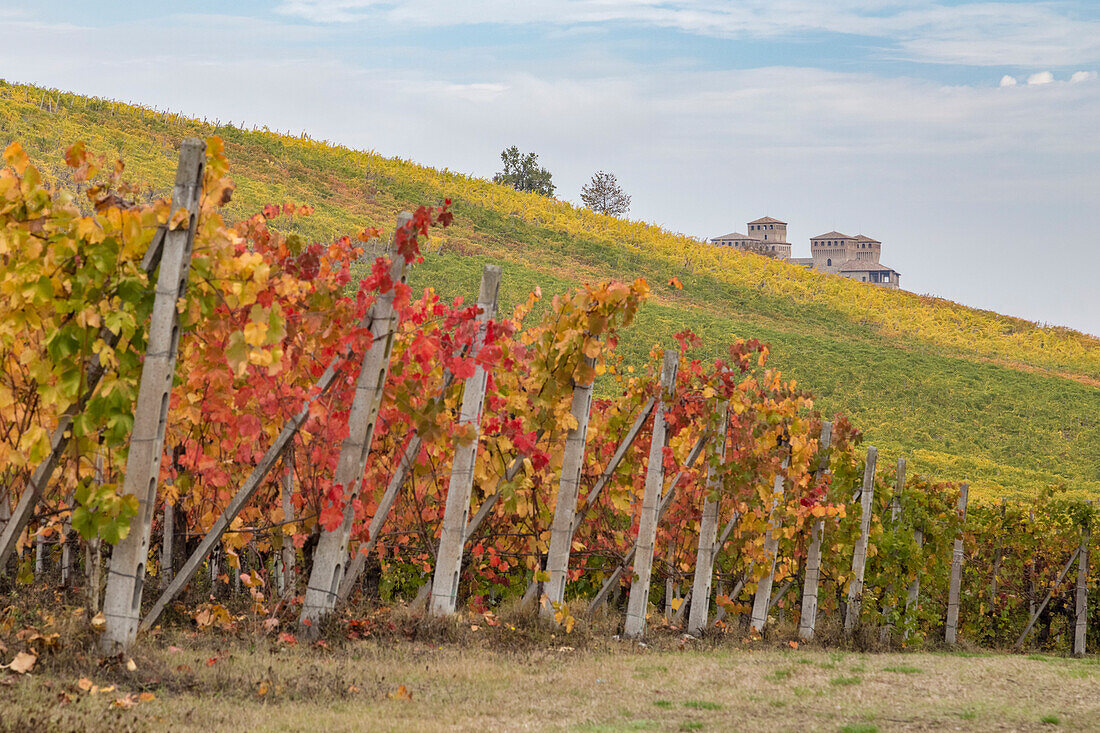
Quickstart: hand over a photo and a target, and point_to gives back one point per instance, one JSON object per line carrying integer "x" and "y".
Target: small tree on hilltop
{"x": 760, "y": 249}
{"x": 603, "y": 195}
{"x": 522, "y": 172}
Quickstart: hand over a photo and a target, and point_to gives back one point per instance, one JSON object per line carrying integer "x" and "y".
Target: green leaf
{"x": 84, "y": 523}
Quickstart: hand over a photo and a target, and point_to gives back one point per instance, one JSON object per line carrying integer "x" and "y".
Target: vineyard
{"x": 219, "y": 425}
{"x": 964, "y": 395}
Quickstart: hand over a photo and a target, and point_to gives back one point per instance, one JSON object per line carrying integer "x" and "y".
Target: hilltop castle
{"x": 852, "y": 257}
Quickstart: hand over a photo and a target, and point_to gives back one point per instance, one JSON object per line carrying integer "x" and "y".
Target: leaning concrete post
{"x": 453, "y": 535}
{"x": 126, "y": 575}
{"x": 956, "y": 573}
{"x": 561, "y": 531}
{"x": 771, "y": 550}
{"x": 331, "y": 552}
{"x": 859, "y": 554}
{"x": 1082, "y": 599}
{"x": 808, "y": 620}
{"x": 708, "y": 532}
{"x": 638, "y": 600}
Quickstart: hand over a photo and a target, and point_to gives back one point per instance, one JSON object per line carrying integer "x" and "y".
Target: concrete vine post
{"x": 956, "y": 572}
{"x": 763, "y": 596}
{"x": 565, "y": 509}
{"x": 1080, "y": 628}
{"x": 859, "y": 554}
{"x": 166, "y": 542}
{"x": 601, "y": 482}
{"x": 287, "y": 555}
{"x": 126, "y": 575}
{"x": 638, "y": 600}
{"x": 453, "y": 534}
{"x": 808, "y": 620}
{"x": 708, "y": 532}
{"x": 67, "y": 539}
{"x": 612, "y": 580}
{"x": 331, "y": 552}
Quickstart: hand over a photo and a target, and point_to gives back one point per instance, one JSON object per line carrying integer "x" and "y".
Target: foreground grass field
{"x": 965, "y": 394}
{"x": 206, "y": 684}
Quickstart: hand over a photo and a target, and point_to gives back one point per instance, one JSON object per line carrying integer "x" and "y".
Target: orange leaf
{"x": 401, "y": 693}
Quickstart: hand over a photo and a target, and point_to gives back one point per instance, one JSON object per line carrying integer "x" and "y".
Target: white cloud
{"x": 1082, "y": 76}
{"x": 1008, "y": 81}
{"x": 975, "y": 33}
{"x": 1043, "y": 77}
{"x": 476, "y": 92}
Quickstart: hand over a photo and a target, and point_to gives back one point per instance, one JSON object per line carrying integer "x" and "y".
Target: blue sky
{"x": 964, "y": 135}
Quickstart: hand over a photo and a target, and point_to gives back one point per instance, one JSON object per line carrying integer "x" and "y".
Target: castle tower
{"x": 773, "y": 234}
{"x": 831, "y": 250}
{"x": 866, "y": 248}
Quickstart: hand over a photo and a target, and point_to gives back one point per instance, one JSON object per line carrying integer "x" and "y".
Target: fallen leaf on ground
{"x": 146, "y": 697}
{"x": 22, "y": 663}
{"x": 131, "y": 665}
{"x": 99, "y": 621}
{"x": 401, "y": 693}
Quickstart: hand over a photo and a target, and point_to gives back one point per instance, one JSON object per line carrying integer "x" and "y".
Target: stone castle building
{"x": 852, "y": 257}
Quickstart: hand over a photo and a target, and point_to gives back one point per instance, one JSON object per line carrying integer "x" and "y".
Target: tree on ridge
{"x": 522, "y": 172}
{"x": 604, "y": 195}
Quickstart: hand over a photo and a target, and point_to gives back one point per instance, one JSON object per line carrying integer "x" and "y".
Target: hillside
{"x": 964, "y": 393}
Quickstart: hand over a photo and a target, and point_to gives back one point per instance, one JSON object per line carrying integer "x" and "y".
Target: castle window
{"x": 829, "y": 262}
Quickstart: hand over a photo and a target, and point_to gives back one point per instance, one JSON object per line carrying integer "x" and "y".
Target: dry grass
{"x": 496, "y": 678}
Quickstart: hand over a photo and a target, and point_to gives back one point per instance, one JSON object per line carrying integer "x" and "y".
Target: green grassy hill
{"x": 963, "y": 393}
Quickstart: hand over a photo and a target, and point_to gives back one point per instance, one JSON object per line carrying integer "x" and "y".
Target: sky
{"x": 963, "y": 135}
